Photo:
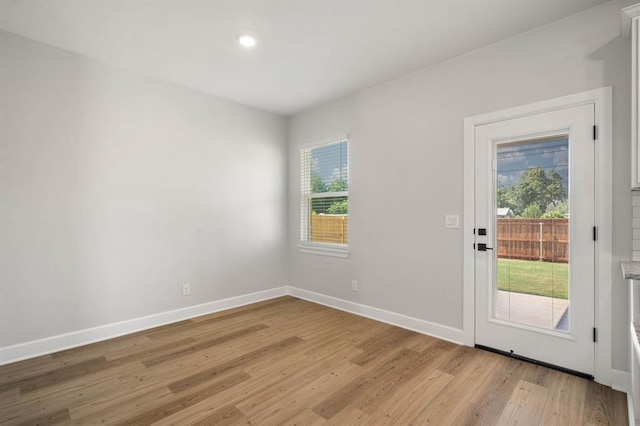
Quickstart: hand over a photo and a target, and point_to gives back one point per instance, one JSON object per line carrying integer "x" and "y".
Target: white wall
{"x": 115, "y": 188}
{"x": 406, "y": 164}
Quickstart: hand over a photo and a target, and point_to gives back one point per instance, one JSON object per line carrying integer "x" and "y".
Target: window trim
{"x": 326, "y": 249}
{"x": 308, "y": 247}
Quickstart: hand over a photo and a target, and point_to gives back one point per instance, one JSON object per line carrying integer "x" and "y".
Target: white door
{"x": 534, "y": 237}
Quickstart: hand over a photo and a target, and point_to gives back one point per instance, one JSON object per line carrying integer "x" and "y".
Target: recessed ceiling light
{"x": 246, "y": 40}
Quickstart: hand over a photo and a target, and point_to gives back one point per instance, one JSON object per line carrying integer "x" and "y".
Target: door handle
{"x": 483, "y": 247}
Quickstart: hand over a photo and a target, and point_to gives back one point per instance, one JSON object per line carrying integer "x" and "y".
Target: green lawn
{"x": 533, "y": 277}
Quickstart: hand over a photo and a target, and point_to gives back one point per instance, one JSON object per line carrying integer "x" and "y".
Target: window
{"x": 325, "y": 198}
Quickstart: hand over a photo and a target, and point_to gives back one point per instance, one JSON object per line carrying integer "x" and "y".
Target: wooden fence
{"x": 534, "y": 239}
{"x": 329, "y": 228}
{"x": 526, "y": 239}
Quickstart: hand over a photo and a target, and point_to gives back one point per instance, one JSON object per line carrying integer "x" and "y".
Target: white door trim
{"x": 602, "y": 100}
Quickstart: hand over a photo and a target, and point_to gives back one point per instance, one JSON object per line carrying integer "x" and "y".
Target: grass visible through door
{"x": 534, "y": 277}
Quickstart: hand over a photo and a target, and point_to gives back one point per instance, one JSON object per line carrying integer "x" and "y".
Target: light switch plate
{"x": 452, "y": 221}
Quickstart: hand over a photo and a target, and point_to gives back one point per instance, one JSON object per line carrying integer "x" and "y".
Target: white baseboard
{"x": 74, "y": 339}
{"x": 421, "y": 326}
{"x": 620, "y": 380}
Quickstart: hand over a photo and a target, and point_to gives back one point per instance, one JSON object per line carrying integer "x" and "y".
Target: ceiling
{"x": 308, "y": 52}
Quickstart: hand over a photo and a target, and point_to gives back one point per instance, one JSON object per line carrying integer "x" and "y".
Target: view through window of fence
{"x": 325, "y": 193}
{"x": 532, "y": 232}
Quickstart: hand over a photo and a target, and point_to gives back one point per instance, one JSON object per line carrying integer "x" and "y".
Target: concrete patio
{"x": 539, "y": 311}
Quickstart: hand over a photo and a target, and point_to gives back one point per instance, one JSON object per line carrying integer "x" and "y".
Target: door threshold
{"x": 536, "y": 362}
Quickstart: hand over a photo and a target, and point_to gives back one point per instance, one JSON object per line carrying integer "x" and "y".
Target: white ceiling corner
{"x": 309, "y": 51}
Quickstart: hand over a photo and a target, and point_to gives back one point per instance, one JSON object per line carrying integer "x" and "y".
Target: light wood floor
{"x": 288, "y": 361}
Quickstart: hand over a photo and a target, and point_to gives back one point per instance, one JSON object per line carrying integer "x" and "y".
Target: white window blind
{"x": 325, "y": 194}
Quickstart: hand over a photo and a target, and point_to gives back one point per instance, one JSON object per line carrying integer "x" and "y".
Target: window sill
{"x": 334, "y": 250}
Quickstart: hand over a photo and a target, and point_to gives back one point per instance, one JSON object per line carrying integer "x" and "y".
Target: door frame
{"x": 602, "y": 101}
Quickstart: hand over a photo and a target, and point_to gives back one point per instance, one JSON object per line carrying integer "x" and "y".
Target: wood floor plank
{"x": 27, "y": 368}
{"x": 145, "y": 352}
{"x": 228, "y": 415}
{"x": 539, "y": 375}
{"x": 390, "y": 382}
{"x": 249, "y": 310}
{"x": 381, "y": 343}
{"x": 300, "y": 371}
{"x": 68, "y": 394}
{"x": 276, "y": 315}
{"x": 175, "y": 404}
{"x": 344, "y": 396}
{"x": 187, "y": 382}
{"x": 206, "y": 344}
{"x": 9, "y": 396}
{"x": 60, "y": 416}
{"x": 471, "y": 374}
{"x": 486, "y": 406}
{"x": 306, "y": 417}
{"x": 198, "y": 362}
{"x": 196, "y": 329}
{"x": 282, "y": 364}
{"x": 130, "y": 343}
{"x": 566, "y": 400}
{"x": 459, "y": 360}
{"x": 359, "y": 328}
{"x": 284, "y": 403}
{"x": 61, "y": 374}
{"x": 350, "y": 416}
{"x": 289, "y": 361}
{"x": 45, "y": 401}
{"x": 169, "y": 330}
{"x": 605, "y": 406}
{"x": 120, "y": 407}
{"x": 525, "y": 405}
{"x": 407, "y": 403}
{"x": 223, "y": 318}
{"x": 420, "y": 342}
{"x": 410, "y": 398}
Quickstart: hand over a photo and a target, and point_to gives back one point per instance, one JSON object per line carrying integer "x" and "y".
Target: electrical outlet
{"x": 186, "y": 289}
{"x": 354, "y": 285}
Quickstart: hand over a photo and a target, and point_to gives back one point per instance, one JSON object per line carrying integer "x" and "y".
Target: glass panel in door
{"x": 532, "y": 223}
